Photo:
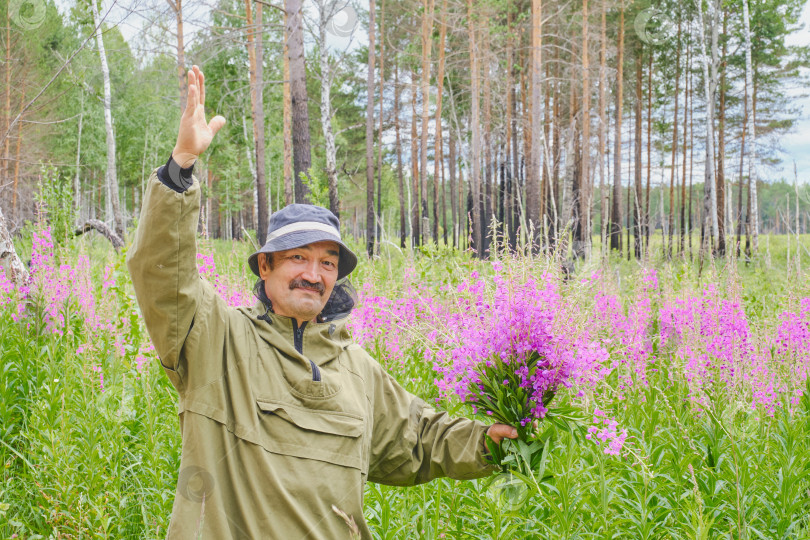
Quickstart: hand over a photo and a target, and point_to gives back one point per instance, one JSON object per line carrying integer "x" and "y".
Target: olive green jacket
{"x": 267, "y": 450}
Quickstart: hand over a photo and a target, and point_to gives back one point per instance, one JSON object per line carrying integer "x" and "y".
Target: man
{"x": 283, "y": 418}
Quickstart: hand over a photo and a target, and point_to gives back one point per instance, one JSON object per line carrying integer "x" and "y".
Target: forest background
{"x": 400, "y": 129}
{"x": 670, "y": 132}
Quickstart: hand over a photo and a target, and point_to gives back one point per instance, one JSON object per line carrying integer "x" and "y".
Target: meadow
{"x": 690, "y": 384}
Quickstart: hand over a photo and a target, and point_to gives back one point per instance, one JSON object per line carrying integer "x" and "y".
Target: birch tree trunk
{"x": 555, "y": 118}
{"x": 533, "y": 174}
{"x": 753, "y": 213}
{"x": 10, "y": 263}
{"x": 326, "y": 11}
{"x": 398, "y": 143}
{"x": 112, "y": 209}
{"x": 451, "y": 169}
{"x": 709, "y": 90}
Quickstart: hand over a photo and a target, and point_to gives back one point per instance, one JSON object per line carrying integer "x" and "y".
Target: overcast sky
{"x": 796, "y": 145}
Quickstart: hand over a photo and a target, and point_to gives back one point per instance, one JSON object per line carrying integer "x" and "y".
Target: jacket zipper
{"x": 298, "y": 341}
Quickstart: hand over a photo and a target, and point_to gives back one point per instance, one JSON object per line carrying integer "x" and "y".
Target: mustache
{"x": 299, "y": 283}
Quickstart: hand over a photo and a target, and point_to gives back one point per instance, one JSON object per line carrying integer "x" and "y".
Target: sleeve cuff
{"x": 484, "y": 455}
{"x": 175, "y": 178}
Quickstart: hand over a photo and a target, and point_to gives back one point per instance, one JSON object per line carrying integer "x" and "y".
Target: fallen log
{"x": 101, "y": 228}
{"x": 10, "y": 262}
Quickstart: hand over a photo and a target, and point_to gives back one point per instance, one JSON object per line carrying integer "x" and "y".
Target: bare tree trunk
{"x": 380, "y": 132}
{"x": 674, "y": 142}
{"x": 546, "y": 190}
{"x": 256, "y": 60}
{"x": 302, "y": 160}
{"x": 427, "y": 41}
{"x": 250, "y": 144}
{"x": 177, "y": 7}
{"x": 7, "y": 108}
{"x": 289, "y": 194}
{"x": 686, "y": 80}
{"x": 438, "y": 173}
{"x": 556, "y": 194}
{"x": 573, "y": 164}
{"x": 649, "y": 154}
{"x": 475, "y": 181}
{"x": 17, "y": 153}
{"x": 488, "y": 194}
{"x": 77, "y": 188}
{"x": 616, "y": 212}
{"x": 582, "y": 250}
{"x": 454, "y": 214}
{"x": 740, "y": 177}
{"x": 416, "y": 222}
{"x": 533, "y": 178}
{"x": 113, "y": 212}
{"x": 513, "y": 168}
{"x": 753, "y": 213}
{"x": 638, "y": 218}
{"x": 721, "y": 158}
{"x": 510, "y": 127}
{"x": 326, "y": 11}
{"x": 603, "y": 194}
{"x": 691, "y": 109}
{"x": 629, "y": 207}
{"x": 370, "y": 223}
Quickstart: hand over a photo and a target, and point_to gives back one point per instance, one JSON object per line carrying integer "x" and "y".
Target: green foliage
{"x": 318, "y": 188}
{"x": 55, "y": 198}
{"x": 79, "y": 462}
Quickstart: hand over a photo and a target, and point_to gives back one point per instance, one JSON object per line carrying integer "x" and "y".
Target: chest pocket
{"x": 330, "y": 436}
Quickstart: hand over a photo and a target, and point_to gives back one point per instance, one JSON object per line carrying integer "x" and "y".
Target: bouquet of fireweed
{"x": 509, "y": 344}
{"x": 519, "y": 393}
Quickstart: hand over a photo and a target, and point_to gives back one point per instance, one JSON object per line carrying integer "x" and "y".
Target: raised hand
{"x": 195, "y": 134}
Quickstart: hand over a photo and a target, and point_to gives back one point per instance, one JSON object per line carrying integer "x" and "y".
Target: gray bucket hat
{"x": 297, "y": 225}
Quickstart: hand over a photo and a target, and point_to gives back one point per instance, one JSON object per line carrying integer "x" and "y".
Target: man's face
{"x": 299, "y": 281}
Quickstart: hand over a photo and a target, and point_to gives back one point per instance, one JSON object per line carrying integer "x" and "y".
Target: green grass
{"x": 81, "y": 463}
